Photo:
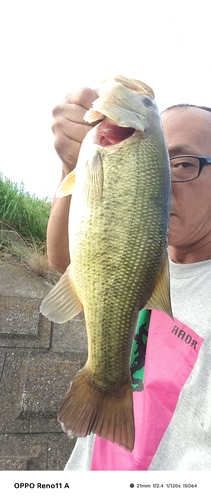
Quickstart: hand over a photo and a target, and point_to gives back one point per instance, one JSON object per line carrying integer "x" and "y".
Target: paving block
{"x": 22, "y": 325}
{"x": 32, "y": 388}
{"x": 70, "y": 336}
{"x": 17, "y": 281}
{"x": 38, "y": 360}
{"x": 35, "y": 451}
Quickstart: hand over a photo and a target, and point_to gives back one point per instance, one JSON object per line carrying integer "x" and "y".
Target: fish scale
{"x": 125, "y": 268}
{"x": 118, "y": 235}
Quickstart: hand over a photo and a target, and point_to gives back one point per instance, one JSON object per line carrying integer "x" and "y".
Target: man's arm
{"x": 57, "y": 232}
{"x": 69, "y": 129}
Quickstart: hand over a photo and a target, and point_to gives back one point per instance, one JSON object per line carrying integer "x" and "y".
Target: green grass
{"x": 26, "y": 215}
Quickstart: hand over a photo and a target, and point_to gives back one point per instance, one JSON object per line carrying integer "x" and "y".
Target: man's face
{"x": 188, "y": 131}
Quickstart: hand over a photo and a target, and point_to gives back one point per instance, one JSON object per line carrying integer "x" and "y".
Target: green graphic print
{"x": 139, "y": 350}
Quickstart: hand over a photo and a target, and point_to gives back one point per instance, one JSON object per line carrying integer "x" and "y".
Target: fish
{"x": 118, "y": 225}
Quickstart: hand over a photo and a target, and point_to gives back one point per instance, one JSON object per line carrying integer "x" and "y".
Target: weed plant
{"x": 26, "y": 215}
{"x": 23, "y": 225}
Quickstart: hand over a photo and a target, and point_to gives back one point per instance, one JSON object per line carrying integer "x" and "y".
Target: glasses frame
{"x": 203, "y": 161}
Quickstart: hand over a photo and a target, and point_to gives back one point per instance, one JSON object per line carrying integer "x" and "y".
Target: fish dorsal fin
{"x": 160, "y": 298}
{"x": 62, "y": 303}
{"x": 67, "y": 185}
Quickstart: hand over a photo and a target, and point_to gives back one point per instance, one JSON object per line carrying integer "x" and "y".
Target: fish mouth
{"x": 109, "y": 133}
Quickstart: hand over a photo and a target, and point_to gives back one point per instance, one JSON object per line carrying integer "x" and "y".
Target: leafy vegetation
{"x": 26, "y": 215}
{"x": 23, "y": 225}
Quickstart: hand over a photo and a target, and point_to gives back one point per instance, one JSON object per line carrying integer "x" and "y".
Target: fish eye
{"x": 147, "y": 101}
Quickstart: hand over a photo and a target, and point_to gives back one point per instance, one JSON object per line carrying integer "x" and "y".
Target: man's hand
{"x": 69, "y": 127}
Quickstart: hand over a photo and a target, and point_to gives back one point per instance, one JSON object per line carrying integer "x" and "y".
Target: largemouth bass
{"x": 118, "y": 247}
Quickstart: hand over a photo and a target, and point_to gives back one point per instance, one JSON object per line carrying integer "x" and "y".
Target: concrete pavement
{"x": 38, "y": 359}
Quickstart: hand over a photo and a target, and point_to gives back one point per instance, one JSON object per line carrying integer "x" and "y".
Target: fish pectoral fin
{"x": 94, "y": 186}
{"x": 88, "y": 408}
{"x": 160, "y": 298}
{"x": 62, "y": 303}
{"x": 67, "y": 185}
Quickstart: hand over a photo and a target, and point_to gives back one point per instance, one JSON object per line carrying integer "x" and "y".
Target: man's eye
{"x": 186, "y": 164}
{"x": 183, "y": 165}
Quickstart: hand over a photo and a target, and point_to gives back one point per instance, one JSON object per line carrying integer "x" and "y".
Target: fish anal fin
{"x": 62, "y": 303}
{"x": 160, "y": 298}
{"x": 88, "y": 409}
{"x": 67, "y": 185}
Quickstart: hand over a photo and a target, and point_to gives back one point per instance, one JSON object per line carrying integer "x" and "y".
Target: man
{"x": 173, "y": 406}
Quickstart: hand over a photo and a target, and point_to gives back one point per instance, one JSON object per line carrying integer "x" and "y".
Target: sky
{"x": 50, "y": 48}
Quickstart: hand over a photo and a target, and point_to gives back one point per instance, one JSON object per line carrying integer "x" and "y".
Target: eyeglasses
{"x": 187, "y": 167}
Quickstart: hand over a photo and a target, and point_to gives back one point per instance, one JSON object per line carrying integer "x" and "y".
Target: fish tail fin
{"x": 88, "y": 409}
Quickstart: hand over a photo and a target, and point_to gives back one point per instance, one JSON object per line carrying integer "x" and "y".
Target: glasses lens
{"x": 184, "y": 168}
